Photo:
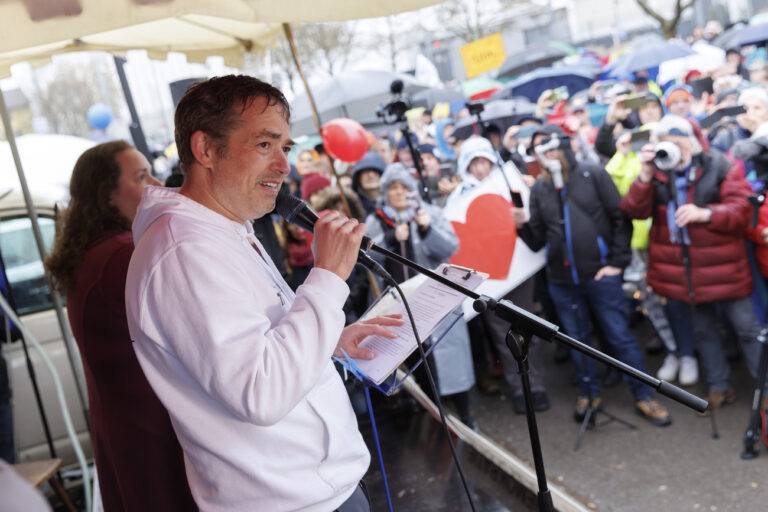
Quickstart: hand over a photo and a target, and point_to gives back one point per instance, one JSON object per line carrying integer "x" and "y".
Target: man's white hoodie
{"x": 241, "y": 363}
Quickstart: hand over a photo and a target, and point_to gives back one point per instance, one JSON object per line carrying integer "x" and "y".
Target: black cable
{"x": 431, "y": 380}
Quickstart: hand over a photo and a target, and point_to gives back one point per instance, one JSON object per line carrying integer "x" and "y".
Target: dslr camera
{"x": 667, "y": 156}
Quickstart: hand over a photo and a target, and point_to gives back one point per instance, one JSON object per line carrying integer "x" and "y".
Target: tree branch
{"x": 650, "y": 12}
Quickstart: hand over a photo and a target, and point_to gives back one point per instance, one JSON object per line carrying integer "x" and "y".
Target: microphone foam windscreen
{"x": 288, "y": 206}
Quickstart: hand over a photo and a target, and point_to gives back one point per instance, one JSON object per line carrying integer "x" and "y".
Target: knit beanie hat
{"x": 679, "y": 92}
{"x": 312, "y": 183}
{"x": 397, "y": 172}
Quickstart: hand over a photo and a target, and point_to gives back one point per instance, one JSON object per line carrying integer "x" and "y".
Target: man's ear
{"x": 202, "y": 148}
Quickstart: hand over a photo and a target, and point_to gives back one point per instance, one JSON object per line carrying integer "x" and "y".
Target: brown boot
{"x": 717, "y": 399}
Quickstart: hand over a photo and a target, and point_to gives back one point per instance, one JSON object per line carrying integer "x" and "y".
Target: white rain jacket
{"x": 242, "y": 365}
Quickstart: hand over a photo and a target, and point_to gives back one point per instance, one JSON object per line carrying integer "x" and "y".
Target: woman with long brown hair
{"x": 138, "y": 458}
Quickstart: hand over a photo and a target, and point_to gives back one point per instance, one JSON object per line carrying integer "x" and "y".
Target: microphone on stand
{"x": 297, "y": 212}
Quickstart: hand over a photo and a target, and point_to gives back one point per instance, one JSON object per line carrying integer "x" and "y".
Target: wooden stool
{"x": 38, "y": 472}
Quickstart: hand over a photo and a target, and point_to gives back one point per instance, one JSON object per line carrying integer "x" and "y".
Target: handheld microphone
{"x": 297, "y": 212}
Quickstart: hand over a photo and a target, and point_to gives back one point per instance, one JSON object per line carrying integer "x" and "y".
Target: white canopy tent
{"x": 35, "y": 30}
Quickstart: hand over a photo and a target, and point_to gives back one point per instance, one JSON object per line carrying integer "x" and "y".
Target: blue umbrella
{"x": 532, "y": 84}
{"x": 649, "y": 56}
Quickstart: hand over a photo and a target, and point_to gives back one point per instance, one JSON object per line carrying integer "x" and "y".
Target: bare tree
{"x": 283, "y": 60}
{"x": 76, "y": 85}
{"x": 333, "y": 42}
{"x": 321, "y": 48}
{"x": 668, "y": 25}
{"x": 472, "y": 19}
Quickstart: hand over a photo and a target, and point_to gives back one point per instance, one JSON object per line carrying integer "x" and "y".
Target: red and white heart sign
{"x": 487, "y": 237}
{"x": 488, "y": 241}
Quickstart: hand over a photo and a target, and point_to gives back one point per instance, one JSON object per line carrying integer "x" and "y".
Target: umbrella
{"x": 725, "y": 40}
{"x": 480, "y": 87}
{"x": 707, "y": 57}
{"x": 532, "y": 84}
{"x": 355, "y": 95}
{"x": 428, "y": 98}
{"x": 752, "y": 34}
{"x": 502, "y": 113}
{"x": 586, "y": 63}
{"x": 649, "y": 56}
{"x": 530, "y": 59}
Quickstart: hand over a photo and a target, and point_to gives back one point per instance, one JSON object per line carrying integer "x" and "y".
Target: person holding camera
{"x": 420, "y": 232}
{"x": 644, "y": 115}
{"x": 697, "y": 256}
{"x": 574, "y": 211}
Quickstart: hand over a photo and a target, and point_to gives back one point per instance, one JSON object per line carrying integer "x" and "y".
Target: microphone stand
{"x": 523, "y": 325}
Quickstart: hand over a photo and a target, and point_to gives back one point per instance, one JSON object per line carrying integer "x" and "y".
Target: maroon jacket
{"x": 718, "y": 256}
{"x": 139, "y": 460}
{"x": 761, "y": 248}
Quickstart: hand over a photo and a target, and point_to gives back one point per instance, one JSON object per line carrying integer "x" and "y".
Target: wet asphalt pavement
{"x": 675, "y": 468}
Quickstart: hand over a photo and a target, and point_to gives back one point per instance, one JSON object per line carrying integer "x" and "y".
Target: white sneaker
{"x": 689, "y": 371}
{"x": 668, "y": 370}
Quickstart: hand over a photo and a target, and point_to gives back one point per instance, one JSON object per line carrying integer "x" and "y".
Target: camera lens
{"x": 667, "y": 156}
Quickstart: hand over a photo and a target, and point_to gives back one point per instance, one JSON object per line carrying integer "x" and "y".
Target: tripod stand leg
{"x": 612, "y": 417}
{"x": 584, "y": 424}
{"x": 752, "y": 435}
{"x": 715, "y": 433}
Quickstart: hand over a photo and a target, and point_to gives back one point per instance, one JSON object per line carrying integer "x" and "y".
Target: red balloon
{"x": 345, "y": 139}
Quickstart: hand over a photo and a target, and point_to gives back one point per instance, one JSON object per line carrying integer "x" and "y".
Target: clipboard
{"x": 434, "y": 305}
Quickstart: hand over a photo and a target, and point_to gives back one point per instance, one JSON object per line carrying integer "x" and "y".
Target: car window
{"x": 22, "y": 264}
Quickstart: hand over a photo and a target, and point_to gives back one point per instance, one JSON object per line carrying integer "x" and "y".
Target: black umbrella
{"x": 532, "y": 84}
{"x": 355, "y": 94}
{"x": 530, "y": 59}
{"x": 501, "y": 113}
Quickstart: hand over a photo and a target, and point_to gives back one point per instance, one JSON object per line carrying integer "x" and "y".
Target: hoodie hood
{"x": 159, "y": 201}
{"x": 371, "y": 161}
{"x": 472, "y": 148}
{"x": 444, "y": 150}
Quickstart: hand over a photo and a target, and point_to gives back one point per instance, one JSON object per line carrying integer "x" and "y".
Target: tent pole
{"x": 315, "y": 113}
{"x": 69, "y": 344}
{"x": 375, "y": 289}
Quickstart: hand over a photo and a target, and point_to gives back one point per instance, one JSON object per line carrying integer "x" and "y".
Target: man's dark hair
{"x": 214, "y": 106}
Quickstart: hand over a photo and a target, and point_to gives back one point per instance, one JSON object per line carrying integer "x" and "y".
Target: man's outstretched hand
{"x": 354, "y": 334}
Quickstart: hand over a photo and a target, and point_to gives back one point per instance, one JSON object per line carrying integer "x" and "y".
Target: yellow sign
{"x": 483, "y": 55}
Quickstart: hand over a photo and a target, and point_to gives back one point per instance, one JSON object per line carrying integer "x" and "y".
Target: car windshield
{"x": 22, "y": 264}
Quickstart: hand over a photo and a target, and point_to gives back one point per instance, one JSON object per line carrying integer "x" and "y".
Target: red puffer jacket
{"x": 761, "y": 249}
{"x": 718, "y": 256}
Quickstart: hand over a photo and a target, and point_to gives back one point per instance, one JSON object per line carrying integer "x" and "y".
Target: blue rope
{"x": 568, "y": 238}
{"x": 378, "y": 446}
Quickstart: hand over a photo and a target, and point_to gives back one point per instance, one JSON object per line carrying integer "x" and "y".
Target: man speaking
{"x": 240, "y": 362}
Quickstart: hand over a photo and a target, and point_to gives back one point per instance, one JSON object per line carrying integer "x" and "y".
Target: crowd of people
{"x": 207, "y": 323}
{"x": 613, "y": 213}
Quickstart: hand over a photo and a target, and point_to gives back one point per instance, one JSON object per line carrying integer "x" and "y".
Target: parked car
{"x": 48, "y": 161}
